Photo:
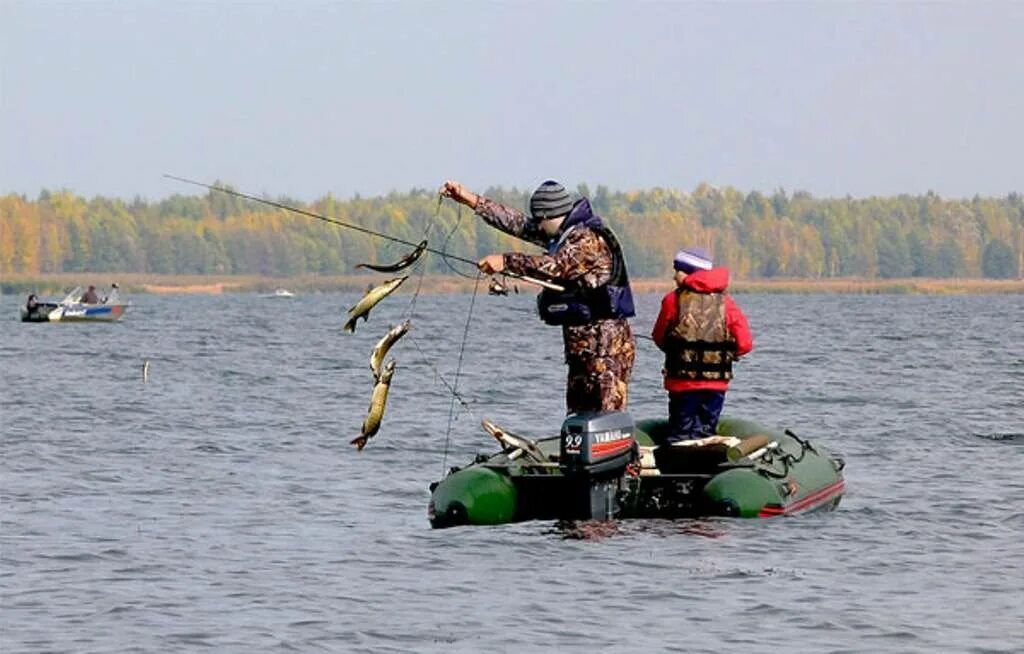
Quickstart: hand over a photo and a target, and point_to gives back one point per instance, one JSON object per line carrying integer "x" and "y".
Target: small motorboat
{"x": 603, "y": 466}
{"x": 72, "y": 309}
{"x": 281, "y": 293}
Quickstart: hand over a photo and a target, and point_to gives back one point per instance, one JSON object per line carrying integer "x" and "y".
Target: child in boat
{"x": 702, "y": 331}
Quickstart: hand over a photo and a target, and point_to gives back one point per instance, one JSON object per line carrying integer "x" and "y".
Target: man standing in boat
{"x": 702, "y": 331}
{"x": 585, "y": 258}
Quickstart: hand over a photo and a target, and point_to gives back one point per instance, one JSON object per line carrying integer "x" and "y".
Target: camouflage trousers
{"x": 600, "y": 357}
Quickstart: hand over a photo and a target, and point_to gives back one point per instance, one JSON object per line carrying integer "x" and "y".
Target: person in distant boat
{"x": 113, "y": 296}
{"x": 32, "y": 304}
{"x": 90, "y": 296}
{"x": 702, "y": 331}
{"x": 585, "y": 258}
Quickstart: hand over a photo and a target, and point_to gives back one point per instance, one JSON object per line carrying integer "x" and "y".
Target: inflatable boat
{"x": 605, "y": 466}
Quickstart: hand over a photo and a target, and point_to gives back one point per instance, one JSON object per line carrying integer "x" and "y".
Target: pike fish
{"x": 384, "y": 344}
{"x": 370, "y": 300}
{"x": 376, "y": 411}
{"x": 401, "y": 264}
{"x": 512, "y": 443}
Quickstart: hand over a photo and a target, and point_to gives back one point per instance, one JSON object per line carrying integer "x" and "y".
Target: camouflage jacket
{"x": 583, "y": 257}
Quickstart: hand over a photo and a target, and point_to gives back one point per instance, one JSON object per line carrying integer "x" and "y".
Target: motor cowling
{"x": 595, "y": 450}
{"x": 594, "y": 444}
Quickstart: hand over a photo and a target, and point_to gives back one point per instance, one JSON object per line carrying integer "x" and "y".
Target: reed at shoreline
{"x": 135, "y": 283}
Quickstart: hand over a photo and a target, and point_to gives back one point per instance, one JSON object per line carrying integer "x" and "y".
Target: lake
{"x": 219, "y": 505}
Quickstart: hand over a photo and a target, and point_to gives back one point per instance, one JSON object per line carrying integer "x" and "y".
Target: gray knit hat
{"x": 550, "y": 200}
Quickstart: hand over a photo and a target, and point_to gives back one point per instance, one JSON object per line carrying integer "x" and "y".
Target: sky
{"x": 302, "y": 98}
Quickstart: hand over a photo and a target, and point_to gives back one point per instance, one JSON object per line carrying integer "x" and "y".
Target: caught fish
{"x": 384, "y": 344}
{"x": 511, "y": 443}
{"x": 370, "y": 300}
{"x": 376, "y": 411}
{"x": 402, "y": 263}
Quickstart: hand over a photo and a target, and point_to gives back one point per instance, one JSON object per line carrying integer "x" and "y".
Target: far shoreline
{"x": 143, "y": 283}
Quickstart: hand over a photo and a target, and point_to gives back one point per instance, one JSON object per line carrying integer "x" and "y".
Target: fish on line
{"x": 375, "y": 414}
{"x": 373, "y": 296}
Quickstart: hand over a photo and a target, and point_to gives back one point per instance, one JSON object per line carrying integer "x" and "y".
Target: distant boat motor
{"x": 595, "y": 451}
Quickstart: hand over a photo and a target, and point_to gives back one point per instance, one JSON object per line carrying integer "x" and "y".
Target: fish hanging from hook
{"x": 374, "y": 295}
{"x": 375, "y": 414}
{"x": 384, "y": 344}
{"x": 401, "y": 264}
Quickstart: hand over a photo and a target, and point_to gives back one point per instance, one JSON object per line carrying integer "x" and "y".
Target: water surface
{"x": 220, "y": 506}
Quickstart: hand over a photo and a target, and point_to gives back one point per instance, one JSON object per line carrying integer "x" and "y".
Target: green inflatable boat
{"x": 605, "y": 466}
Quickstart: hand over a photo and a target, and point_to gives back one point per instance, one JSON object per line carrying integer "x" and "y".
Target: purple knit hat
{"x": 690, "y": 260}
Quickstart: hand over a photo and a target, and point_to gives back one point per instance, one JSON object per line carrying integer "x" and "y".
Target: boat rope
{"x": 787, "y": 459}
{"x": 804, "y": 445}
{"x": 458, "y": 371}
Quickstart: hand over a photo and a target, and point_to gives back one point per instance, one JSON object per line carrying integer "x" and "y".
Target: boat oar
{"x": 747, "y": 447}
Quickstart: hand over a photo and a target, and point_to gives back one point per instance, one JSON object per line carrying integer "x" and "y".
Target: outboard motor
{"x": 595, "y": 450}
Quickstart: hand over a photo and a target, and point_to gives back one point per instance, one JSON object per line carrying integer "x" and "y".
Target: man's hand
{"x": 492, "y": 263}
{"x": 459, "y": 193}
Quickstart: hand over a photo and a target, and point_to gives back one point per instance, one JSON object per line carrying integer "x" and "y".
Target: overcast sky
{"x": 303, "y": 97}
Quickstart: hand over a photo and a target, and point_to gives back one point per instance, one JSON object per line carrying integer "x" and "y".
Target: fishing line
{"x": 364, "y": 230}
{"x": 411, "y": 314}
{"x": 440, "y": 377}
{"x": 458, "y": 221}
{"x": 458, "y": 371}
{"x": 310, "y": 214}
{"x": 411, "y": 309}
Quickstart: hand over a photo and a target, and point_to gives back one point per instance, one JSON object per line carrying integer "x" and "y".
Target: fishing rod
{"x": 358, "y": 228}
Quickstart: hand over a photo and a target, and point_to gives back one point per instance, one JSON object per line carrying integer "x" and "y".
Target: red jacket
{"x": 715, "y": 280}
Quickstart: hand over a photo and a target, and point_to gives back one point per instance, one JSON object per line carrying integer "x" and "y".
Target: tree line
{"x": 757, "y": 235}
